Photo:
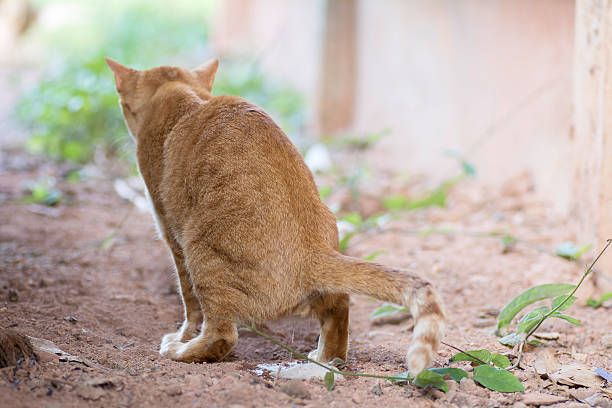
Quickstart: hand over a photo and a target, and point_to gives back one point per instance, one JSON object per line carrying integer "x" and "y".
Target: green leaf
{"x": 430, "y": 379}
{"x": 436, "y": 198}
{"x": 107, "y": 242}
{"x": 531, "y": 319}
{"x": 74, "y": 176}
{"x": 43, "y": 191}
{"x": 531, "y": 295}
{"x": 353, "y": 218}
{"x": 567, "y": 318}
{"x": 597, "y": 303}
{"x": 330, "y": 380}
{"x": 387, "y": 309}
{"x": 373, "y": 255}
{"x": 570, "y": 251}
{"x": 500, "y": 360}
{"x": 325, "y": 192}
{"x": 468, "y": 168}
{"x": 456, "y": 374}
{"x": 484, "y": 355}
{"x": 344, "y": 242}
{"x": 402, "y": 378}
{"x": 395, "y": 202}
{"x": 560, "y": 299}
{"x": 512, "y": 339}
{"x": 497, "y": 379}
{"x": 508, "y": 242}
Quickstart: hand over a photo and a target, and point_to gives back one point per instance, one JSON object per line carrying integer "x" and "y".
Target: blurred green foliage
{"x": 72, "y": 111}
{"x": 43, "y": 191}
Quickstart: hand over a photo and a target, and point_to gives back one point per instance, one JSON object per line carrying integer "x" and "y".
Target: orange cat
{"x": 242, "y": 217}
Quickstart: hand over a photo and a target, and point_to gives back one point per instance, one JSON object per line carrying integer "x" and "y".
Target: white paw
{"x": 314, "y": 355}
{"x": 170, "y": 338}
{"x": 169, "y": 348}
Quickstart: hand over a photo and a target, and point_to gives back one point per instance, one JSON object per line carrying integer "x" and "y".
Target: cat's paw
{"x": 314, "y": 355}
{"x": 170, "y": 338}
{"x": 169, "y": 348}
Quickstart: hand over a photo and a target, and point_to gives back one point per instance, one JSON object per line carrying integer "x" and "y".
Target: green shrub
{"x": 73, "y": 110}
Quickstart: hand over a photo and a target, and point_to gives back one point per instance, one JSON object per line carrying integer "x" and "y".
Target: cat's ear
{"x": 206, "y": 72}
{"x": 122, "y": 73}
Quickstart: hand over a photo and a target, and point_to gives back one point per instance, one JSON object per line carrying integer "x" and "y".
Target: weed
{"x": 571, "y": 251}
{"x": 43, "y": 191}
{"x": 436, "y": 198}
{"x": 492, "y": 370}
{"x": 597, "y": 303}
{"x": 532, "y": 320}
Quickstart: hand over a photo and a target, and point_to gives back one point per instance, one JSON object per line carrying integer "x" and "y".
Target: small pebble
{"x": 606, "y": 341}
{"x": 173, "y": 390}
{"x": 70, "y": 319}
{"x": 295, "y": 389}
{"x": 484, "y": 322}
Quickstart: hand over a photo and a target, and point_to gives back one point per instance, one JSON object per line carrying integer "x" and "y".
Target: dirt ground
{"x": 110, "y": 306}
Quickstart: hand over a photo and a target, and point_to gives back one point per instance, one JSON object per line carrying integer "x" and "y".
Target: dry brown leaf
{"x": 546, "y": 362}
{"x": 539, "y": 399}
{"x": 546, "y": 335}
{"x": 576, "y": 374}
{"x": 47, "y": 346}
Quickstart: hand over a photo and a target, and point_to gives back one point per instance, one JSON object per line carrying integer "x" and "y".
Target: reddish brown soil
{"x": 110, "y": 307}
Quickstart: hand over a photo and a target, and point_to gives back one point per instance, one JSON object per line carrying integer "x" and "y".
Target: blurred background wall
{"x": 489, "y": 79}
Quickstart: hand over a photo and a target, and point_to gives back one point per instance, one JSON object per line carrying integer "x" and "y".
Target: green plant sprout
{"x": 43, "y": 191}
{"x": 437, "y": 197}
{"x": 359, "y": 225}
{"x": 562, "y": 298}
{"x": 571, "y": 251}
{"x": 597, "y": 303}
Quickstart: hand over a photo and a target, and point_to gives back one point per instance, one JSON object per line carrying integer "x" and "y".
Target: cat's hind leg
{"x": 192, "y": 309}
{"x": 216, "y": 340}
{"x": 332, "y": 310}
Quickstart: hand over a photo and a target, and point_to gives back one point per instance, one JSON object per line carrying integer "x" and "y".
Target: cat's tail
{"x": 336, "y": 273}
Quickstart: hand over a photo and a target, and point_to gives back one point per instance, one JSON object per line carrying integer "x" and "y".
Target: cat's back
{"x": 229, "y": 135}
{"x": 230, "y": 160}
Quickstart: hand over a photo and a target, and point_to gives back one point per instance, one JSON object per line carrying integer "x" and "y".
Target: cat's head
{"x": 137, "y": 88}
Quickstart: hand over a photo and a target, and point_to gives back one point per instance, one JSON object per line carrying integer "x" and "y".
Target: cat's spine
{"x": 337, "y": 273}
